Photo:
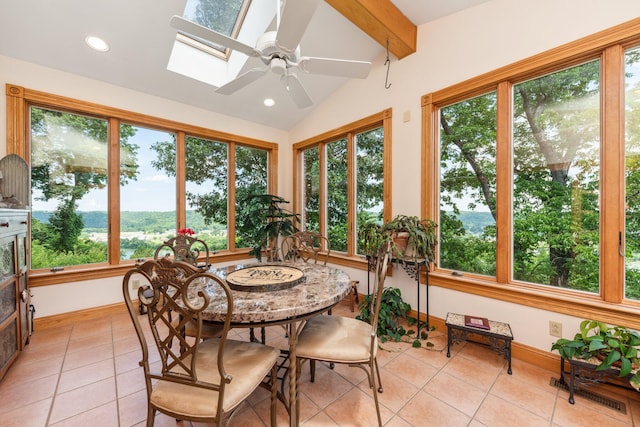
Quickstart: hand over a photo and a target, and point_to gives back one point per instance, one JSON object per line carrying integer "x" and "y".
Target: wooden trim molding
{"x": 71, "y": 317}
{"x": 15, "y": 122}
{"x": 382, "y": 21}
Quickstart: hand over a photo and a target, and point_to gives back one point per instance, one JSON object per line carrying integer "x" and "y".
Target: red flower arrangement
{"x": 186, "y": 232}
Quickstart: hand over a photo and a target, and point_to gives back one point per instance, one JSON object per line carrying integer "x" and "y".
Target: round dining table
{"x": 261, "y": 299}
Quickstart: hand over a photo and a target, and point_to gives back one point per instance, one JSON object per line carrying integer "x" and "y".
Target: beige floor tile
{"x": 356, "y": 408}
{"x": 130, "y": 382}
{"x": 85, "y": 375}
{"x": 82, "y": 399}
{"x": 88, "y": 374}
{"x": 88, "y": 356}
{"x": 32, "y": 415}
{"x": 501, "y": 413}
{"x": 410, "y": 369}
{"x": 23, "y": 370}
{"x": 423, "y": 409}
{"x": 455, "y": 392}
{"x": 22, "y": 394}
{"x": 533, "y": 399}
{"x": 103, "y": 416}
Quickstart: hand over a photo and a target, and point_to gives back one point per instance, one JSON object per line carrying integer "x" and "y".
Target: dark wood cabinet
{"x": 15, "y": 318}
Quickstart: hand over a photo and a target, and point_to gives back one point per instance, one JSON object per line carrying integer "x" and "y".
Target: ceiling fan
{"x": 279, "y": 51}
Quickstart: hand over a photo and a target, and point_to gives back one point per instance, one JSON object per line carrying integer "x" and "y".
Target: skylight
{"x": 223, "y": 16}
{"x": 240, "y": 19}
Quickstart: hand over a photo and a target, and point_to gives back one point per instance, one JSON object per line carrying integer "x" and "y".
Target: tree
{"x": 69, "y": 159}
{"x": 555, "y": 191}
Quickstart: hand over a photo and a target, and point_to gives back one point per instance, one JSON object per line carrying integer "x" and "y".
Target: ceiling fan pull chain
{"x": 387, "y": 85}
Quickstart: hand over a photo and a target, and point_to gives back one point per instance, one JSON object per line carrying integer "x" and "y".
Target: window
{"x": 222, "y": 16}
{"x": 632, "y": 174}
{"x": 341, "y": 180}
{"x": 107, "y": 189}
{"x": 68, "y": 175}
{"x": 556, "y": 178}
{"x": 529, "y": 199}
{"x": 468, "y": 185}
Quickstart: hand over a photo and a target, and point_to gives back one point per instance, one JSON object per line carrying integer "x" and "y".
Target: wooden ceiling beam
{"x": 382, "y": 21}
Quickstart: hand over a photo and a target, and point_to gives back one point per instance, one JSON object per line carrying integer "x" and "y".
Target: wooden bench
{"x": 499, "y": 335}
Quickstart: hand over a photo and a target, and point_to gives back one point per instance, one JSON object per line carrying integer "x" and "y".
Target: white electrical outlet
{"x": 555, "y": 329}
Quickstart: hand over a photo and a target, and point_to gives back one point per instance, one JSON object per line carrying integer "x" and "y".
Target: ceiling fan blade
{"x": 209, "y": 37}
{"x": 295, "y": 18}
{"x": 335, "y": 67}
{"x": 242, "y": 80}
{"x": 297, "y": 92}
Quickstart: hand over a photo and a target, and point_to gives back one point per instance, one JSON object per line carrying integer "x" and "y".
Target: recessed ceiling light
{"x": 269, "y": 102}
{"x": 97, "y": 43}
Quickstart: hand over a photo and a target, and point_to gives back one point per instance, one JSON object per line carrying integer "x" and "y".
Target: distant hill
{"x": 154, "y": 222}
{"x": 475, "y": 222}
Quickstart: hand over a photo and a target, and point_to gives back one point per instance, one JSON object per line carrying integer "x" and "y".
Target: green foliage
{"x": 369, "y": 176}
{"x": 611, "y": 344}
{"x": 423, "y": 237}
{"x": 265, "y": 222}
{"x": 392, "y": 309}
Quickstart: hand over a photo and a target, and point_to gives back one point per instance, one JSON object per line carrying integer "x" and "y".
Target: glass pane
{"x": 311, "y": 191}
{"x": 206, "y": 189}
{"x": 468, "y": 186}
{"x": 218, "y": 15}
{"x": 147, "y": 190}
{"x": 337, "y": 194}
{"x": 369, "y": 176}
{"x": 68, "y": 183}
{"x": 251, "y": 178}
{"x": 556, "y": 137}
{"x": 632, "y": 175}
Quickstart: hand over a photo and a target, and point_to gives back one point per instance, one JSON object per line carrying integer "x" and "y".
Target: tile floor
{"x": 86, "y": 374}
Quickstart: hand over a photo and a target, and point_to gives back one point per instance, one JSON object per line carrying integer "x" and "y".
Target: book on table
{"x": 476, "y": 322}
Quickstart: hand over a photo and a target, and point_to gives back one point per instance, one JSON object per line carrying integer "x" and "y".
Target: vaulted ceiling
{"x": 52, "y": 34}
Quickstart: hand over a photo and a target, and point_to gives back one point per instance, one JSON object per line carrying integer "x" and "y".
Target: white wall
{"x": 450, "y": 50}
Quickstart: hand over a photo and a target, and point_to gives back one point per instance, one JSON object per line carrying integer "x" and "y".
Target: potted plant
{"x": 393, "y": 311}
{"x": 413, "y": 238}
{"x": 266, "y": 222}
{"x": 606, "y": 347}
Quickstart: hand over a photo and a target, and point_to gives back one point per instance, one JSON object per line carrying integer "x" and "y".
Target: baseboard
{"x": 77, "y": 316}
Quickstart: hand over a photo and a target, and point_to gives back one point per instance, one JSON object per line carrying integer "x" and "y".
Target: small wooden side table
{"x": 499, "y": 335}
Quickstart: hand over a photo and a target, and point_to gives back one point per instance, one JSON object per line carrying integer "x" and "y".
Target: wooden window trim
{"x": 609, "y": 47}
{"x": 20, "y": 99}
{"x": 382, "y": 119}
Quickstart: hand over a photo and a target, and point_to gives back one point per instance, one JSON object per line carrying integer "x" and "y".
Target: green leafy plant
{"x": 393, "y": 310}
{"x": 268, "y": 223}
{"x": 422, "y": 237}
{"x": 612, "y": 345}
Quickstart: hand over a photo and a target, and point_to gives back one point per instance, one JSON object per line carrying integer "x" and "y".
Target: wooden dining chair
{"x": 188, "y": 249}
{"x": 338, "y": 339}
{"x": 184, "y": 248}
{"x": 196, "y": 380}
{"x": 306, "y": 246}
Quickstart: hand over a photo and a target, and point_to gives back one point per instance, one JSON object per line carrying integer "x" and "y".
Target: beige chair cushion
{"x": 248, "y": 363}
{"x": 336, "y": 339}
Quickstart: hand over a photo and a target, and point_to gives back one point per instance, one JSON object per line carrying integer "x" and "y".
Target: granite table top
{"x": 322, "y": 288}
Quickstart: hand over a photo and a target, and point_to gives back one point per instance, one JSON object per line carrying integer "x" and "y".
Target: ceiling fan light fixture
{"x": 96, "y": 43}
{"x": 278, "y": 65}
